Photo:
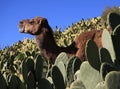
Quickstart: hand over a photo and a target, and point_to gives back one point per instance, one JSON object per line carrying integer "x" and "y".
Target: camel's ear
{"x": 43, "y": 22}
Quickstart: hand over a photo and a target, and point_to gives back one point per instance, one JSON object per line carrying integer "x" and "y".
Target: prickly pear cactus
{"x": 44, "y": 84}
{"x": 15, "y": 83}
{"x": 116, "y": 30}
{"x": 61, "y": 57}
{"x": 113, "y": 20}
{"x": 25, "y": 71}
{"x": 105, "y": 56}
{"x": 28, "y": 53}
{"x": 72, "y": 66}
{"x": 108, "y": 43}
{"x": 38, "y": 67}
{"x": 31, "y": 81}
{"x": 50, "y": 79}
{"x": 101, "y": 85}
{"x": 30, "y": 64}
{"x": 88, "y": 75}
{"x": 77, "y": 84}
{"x": 32, "y": 71}
{"x": 112, "y": 80}
{"x": 92, "y": 53}
{"x": 116, "y": 44}
{"x": 105, "y": 69}
{"x": 62, "y": 68}
{"x": 3, "y": 83}
{"x": 57, "y": 78}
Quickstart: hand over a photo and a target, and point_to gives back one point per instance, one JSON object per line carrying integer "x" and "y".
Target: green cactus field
{"x": 23, "y": 67}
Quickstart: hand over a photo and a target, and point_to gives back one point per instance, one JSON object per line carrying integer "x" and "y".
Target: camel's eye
{"x": 31, "y": 22}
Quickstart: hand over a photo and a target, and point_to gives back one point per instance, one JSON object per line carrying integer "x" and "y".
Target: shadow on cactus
{"x": 32, "y": 73}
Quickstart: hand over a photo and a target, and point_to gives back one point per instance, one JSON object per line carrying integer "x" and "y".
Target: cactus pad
{"x": 113, "y": 20}
{"x": 31, "y": 80}
{"x": 38, "y": 67}
{"x": 61, "y": 66}
{"x": 30, "y": 64}
{"x": 14, "y": 82}
{"x": 72, "y": 66}
{"x": 92, "y": 53}
{"x": 116, "y": 42}
{"x": 100, "y": 85}
{"x": 117, "y": 30}
{"x": 57, "y": 77}
{"x": 44, "y": 84}
{"x": 105, "y": 69}
{"x": 108, "y": 44}
{"x": 105, "y": 56}
{"x": 113, "y": 80}
{"x": 3, "y": 84}
{"x": 88, "y": 75}
{"x": 25, "y": 71}
{"x": 61, "y": 57}
{"x": 77, "y": 84}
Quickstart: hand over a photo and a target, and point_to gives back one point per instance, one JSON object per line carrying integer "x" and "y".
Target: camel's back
{"x": 81, "y": 40}
{"x": 85, "y": 36}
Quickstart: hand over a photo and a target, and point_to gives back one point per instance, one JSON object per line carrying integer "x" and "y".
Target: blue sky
{"x": 61, "y": 13}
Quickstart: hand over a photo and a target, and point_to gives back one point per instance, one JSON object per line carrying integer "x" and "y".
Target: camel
{"x": 40, "y": 28}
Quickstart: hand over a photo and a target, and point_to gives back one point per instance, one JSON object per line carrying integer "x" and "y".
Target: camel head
{"x": 33, "y": 26}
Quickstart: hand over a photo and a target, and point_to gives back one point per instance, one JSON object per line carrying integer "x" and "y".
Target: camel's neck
{"x": 48, "y": 47}
{"x": 45, "y": 39}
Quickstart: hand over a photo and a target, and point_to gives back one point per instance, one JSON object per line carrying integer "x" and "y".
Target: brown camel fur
{"x": 43, "y": 33}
